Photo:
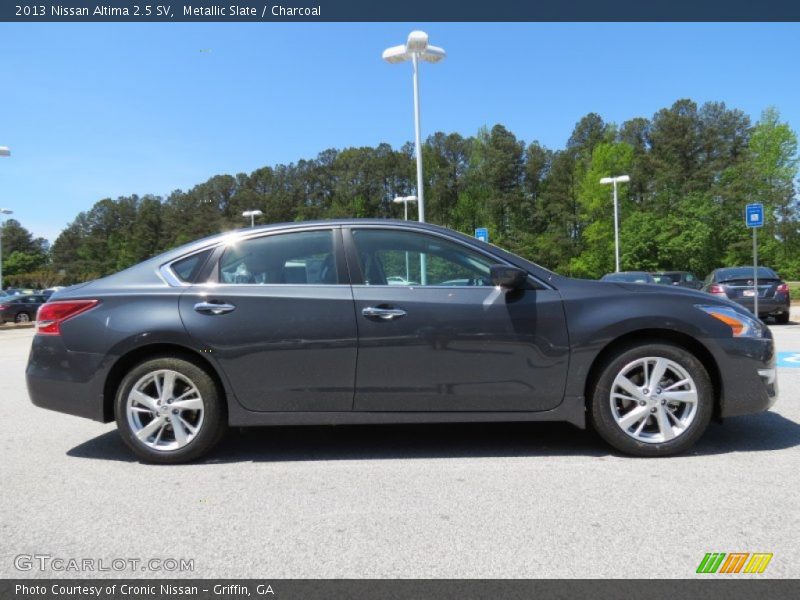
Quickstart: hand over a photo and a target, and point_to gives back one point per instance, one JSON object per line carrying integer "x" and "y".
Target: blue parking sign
{"x": 754, "y": 215}
{"x": 482, "y": 234}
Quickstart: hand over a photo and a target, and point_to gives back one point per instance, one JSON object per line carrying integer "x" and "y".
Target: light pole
{"x": 405, "y": 200}
{"x": 4, "y": 151}
{"x": 615, "y": 181}
{"x": 416, "y": 49}
{"x": 3, "y": 211}
{"x": 252, "y": 214}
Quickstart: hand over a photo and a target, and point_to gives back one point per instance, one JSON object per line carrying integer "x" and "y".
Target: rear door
{"x": 277, "y": 314}
{"x": 436, "y": 335}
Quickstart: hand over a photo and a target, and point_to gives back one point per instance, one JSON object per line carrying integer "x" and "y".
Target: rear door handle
{"x": 213, "y": 308}
{"x": 386, "y": 314}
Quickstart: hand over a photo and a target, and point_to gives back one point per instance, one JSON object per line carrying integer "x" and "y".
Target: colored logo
{"x": 734, "y": 562}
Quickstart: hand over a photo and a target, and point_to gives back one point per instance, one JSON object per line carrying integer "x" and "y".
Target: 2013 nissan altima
{"x": 374, "y": 321}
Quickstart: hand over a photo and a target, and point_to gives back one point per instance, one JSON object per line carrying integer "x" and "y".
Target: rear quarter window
{"x": 187, "y": 269}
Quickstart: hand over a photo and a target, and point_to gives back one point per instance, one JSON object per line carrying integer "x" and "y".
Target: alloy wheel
{"x": 165, "y": 410}
{"x": 653, "y": 399}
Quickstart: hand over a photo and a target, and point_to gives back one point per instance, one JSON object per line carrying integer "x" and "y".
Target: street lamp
{"x": 3, "y": 211}
{"x": 4, "y": 151}
{"x": 416, "y": 49}
{"x": 252, "y": 214}
{"x": 615, "y": 181}
{"x": 404, "y": 200}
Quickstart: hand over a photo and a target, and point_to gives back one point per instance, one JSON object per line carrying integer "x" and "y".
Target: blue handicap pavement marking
{"x": 789, "y": 359}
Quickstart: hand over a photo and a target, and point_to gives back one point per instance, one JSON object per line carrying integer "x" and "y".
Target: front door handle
{"x": 213, "y": 308}
{"x": 386, "y": 314}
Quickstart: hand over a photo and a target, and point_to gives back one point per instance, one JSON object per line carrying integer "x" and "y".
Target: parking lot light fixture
{"x": 252, "y": 214}
{"x": 614, "y": 181}
{"x": 4, "y": 151}
{"x": 416, "y": 49}
{"x": 404, "y": 200}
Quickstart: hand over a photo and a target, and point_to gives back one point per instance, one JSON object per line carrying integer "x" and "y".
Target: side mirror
{"x": 508, "y": 277}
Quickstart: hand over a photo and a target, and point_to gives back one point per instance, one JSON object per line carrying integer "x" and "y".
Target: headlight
{"x": 741, "y": 324}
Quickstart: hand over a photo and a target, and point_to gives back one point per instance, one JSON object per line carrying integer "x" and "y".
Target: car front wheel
{"x": 169, "y": 410}
{"x": 652, "y": 400}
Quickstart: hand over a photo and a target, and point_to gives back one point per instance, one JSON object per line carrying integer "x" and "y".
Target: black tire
{"x": 603, "y": 419}
{"x": 214, "y": 422}
{"x": 22, "y": 317}
{"x": 783, "y": 318}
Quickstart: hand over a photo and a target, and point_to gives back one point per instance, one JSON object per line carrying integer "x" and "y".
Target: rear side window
{"x": 187, "y": 269}
{"x": 745, "y": 273}
{"x": 301, "y": 258}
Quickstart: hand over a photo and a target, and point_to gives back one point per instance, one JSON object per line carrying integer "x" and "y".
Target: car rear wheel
{"x": 169, "y": 410}
{"x": 782, "y": 318}
{"x": 22, "y": 318}
{"x": 652, "y": 400}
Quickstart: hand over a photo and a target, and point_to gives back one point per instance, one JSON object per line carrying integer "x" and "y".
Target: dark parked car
{"x": 737, "y": 284}
{"x": 629, "y": 277}
{"x": 298, "y": 324}
{"x": 20, "y": 308}
{"x": 679, "y": 278}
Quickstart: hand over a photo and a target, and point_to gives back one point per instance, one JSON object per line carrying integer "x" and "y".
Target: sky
{"x": 93, "y": 111}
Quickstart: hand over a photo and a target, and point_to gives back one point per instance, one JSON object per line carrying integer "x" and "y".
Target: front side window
{"x": 302, "y": 258}
{"x": 391, "y": 257}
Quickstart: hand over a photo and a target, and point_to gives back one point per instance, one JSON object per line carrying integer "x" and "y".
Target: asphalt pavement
{"x": 437, "y": 501}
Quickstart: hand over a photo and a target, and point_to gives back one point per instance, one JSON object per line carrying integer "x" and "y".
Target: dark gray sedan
{"x": 359, "y": 321}
{"x": 739, "y": 285}
{"x": 20, "y": 308}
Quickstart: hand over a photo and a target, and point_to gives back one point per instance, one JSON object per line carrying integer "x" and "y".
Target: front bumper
{"x": 748, "y": 375}
{"x": 65, "y": 381}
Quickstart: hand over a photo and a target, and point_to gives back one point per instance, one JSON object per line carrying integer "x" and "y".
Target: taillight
{"x": 783, "y": 288}
{"x": 52, "y": 314}
{"x": 716, "y": 289}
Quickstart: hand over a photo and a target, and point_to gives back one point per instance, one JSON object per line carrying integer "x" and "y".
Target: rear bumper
{"x": 65, "y": 381}
{"x": 748, "y": 375}
{"x": 766, "y": 306}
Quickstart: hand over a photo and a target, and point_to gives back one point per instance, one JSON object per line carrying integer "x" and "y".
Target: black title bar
{"x": 136, "y": 11}
{"x": 712, "y": 588}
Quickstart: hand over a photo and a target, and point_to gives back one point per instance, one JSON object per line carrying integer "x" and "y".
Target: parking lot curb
{"x": 13, "y": 326}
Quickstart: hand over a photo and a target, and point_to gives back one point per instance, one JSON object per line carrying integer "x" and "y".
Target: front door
{"x": 279, "y": 321}
{"x": 436, "y": 335}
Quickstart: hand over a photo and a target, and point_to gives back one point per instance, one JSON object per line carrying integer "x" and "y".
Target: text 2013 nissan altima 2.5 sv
{"x": 298, "y": 324}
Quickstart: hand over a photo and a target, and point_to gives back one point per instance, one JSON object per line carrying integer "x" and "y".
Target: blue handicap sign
{"x": 482, "y": 234}
{"x": 789, "y": 359}
{"x": 754, "y": 215}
